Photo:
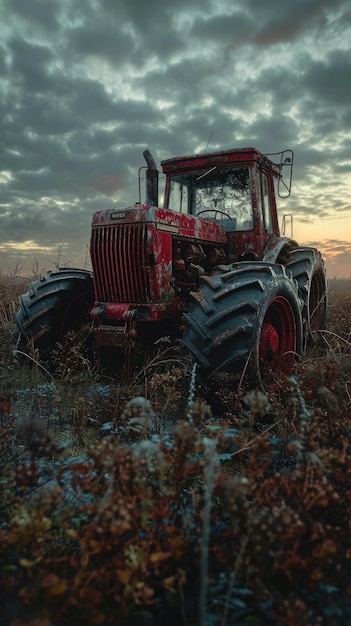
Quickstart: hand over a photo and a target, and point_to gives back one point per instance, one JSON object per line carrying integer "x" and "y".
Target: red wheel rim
{"x": 277, "y": 344}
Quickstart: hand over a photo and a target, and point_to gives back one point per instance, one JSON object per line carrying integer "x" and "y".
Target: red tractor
{"x": 209, "y": 268}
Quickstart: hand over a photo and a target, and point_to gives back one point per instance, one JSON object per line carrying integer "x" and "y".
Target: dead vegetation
{"x": 159, "y": 501}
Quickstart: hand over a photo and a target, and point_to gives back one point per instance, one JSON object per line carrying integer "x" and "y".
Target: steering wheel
{"x": 215, "y": 211}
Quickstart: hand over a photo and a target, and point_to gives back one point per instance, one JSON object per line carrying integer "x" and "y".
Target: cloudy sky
{"x": 87, "y": 85}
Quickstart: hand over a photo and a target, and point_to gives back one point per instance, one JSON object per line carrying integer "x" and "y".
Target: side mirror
{"x": 284, "y": 180}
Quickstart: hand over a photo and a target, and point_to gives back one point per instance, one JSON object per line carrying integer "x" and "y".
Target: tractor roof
{"x": 224, "y": 157}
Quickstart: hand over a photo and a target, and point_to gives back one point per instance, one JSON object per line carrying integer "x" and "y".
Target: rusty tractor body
{"x": 209, "y": 268}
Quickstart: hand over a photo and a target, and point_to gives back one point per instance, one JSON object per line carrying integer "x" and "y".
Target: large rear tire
{"x": 307, "y": 268}
{"x": 246, "y": 318}
{"x": 53, "y": 306}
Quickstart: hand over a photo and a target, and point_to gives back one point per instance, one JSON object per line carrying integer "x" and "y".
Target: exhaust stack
{"x": 151, "y": 179}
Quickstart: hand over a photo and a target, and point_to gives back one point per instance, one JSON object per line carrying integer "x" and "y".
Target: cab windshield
{"x": 223, "y": 194}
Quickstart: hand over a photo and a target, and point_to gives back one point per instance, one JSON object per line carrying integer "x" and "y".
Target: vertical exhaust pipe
{"x": 151, "y": 179}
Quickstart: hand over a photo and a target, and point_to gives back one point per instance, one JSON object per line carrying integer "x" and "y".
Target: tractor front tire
{"x": 53, "y": 306}
{"x": 246, "y": 318}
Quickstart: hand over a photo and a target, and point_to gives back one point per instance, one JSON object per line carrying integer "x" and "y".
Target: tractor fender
{"x": 275, "y": 246}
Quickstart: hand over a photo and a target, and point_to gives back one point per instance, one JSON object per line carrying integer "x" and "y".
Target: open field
{"x": 151, "y": 500}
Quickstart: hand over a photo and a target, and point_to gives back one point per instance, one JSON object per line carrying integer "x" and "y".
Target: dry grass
{"x": 11, "y": 287}
{"x": 239, "y": 513}
{"x": 165, "y": 380}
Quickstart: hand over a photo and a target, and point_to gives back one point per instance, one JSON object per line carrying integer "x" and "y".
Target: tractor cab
{"x": 234, "y": 188}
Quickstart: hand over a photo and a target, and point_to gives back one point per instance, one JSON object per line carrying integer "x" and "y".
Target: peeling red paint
{"x": 148, "y": 259}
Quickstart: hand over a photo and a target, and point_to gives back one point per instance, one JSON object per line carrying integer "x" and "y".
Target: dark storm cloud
{"x": 142, "y": 13}
{"x": 99, "y": 38}
{"x": 85, "y": 87}
{"x": 29, "y": 65}
{"x": 237, "y": 28}
{"x": 328, "y": 81}
{"x": 284, "y": 21}
{"x": 37, "y": 13}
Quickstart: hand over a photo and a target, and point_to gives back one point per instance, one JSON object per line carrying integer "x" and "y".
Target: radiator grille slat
{"x": 119, "y": 254}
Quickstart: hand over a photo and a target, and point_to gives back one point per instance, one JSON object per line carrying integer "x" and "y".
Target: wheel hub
{"x": 269, "y": 342}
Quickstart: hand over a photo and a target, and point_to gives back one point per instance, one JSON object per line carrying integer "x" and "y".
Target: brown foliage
{"x": 237, "y": 507}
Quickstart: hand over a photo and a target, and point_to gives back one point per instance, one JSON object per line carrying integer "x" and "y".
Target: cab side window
{"x": 266, "y": 203}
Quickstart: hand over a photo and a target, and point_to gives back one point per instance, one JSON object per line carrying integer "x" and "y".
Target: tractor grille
{"x": 119, "y": 255}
